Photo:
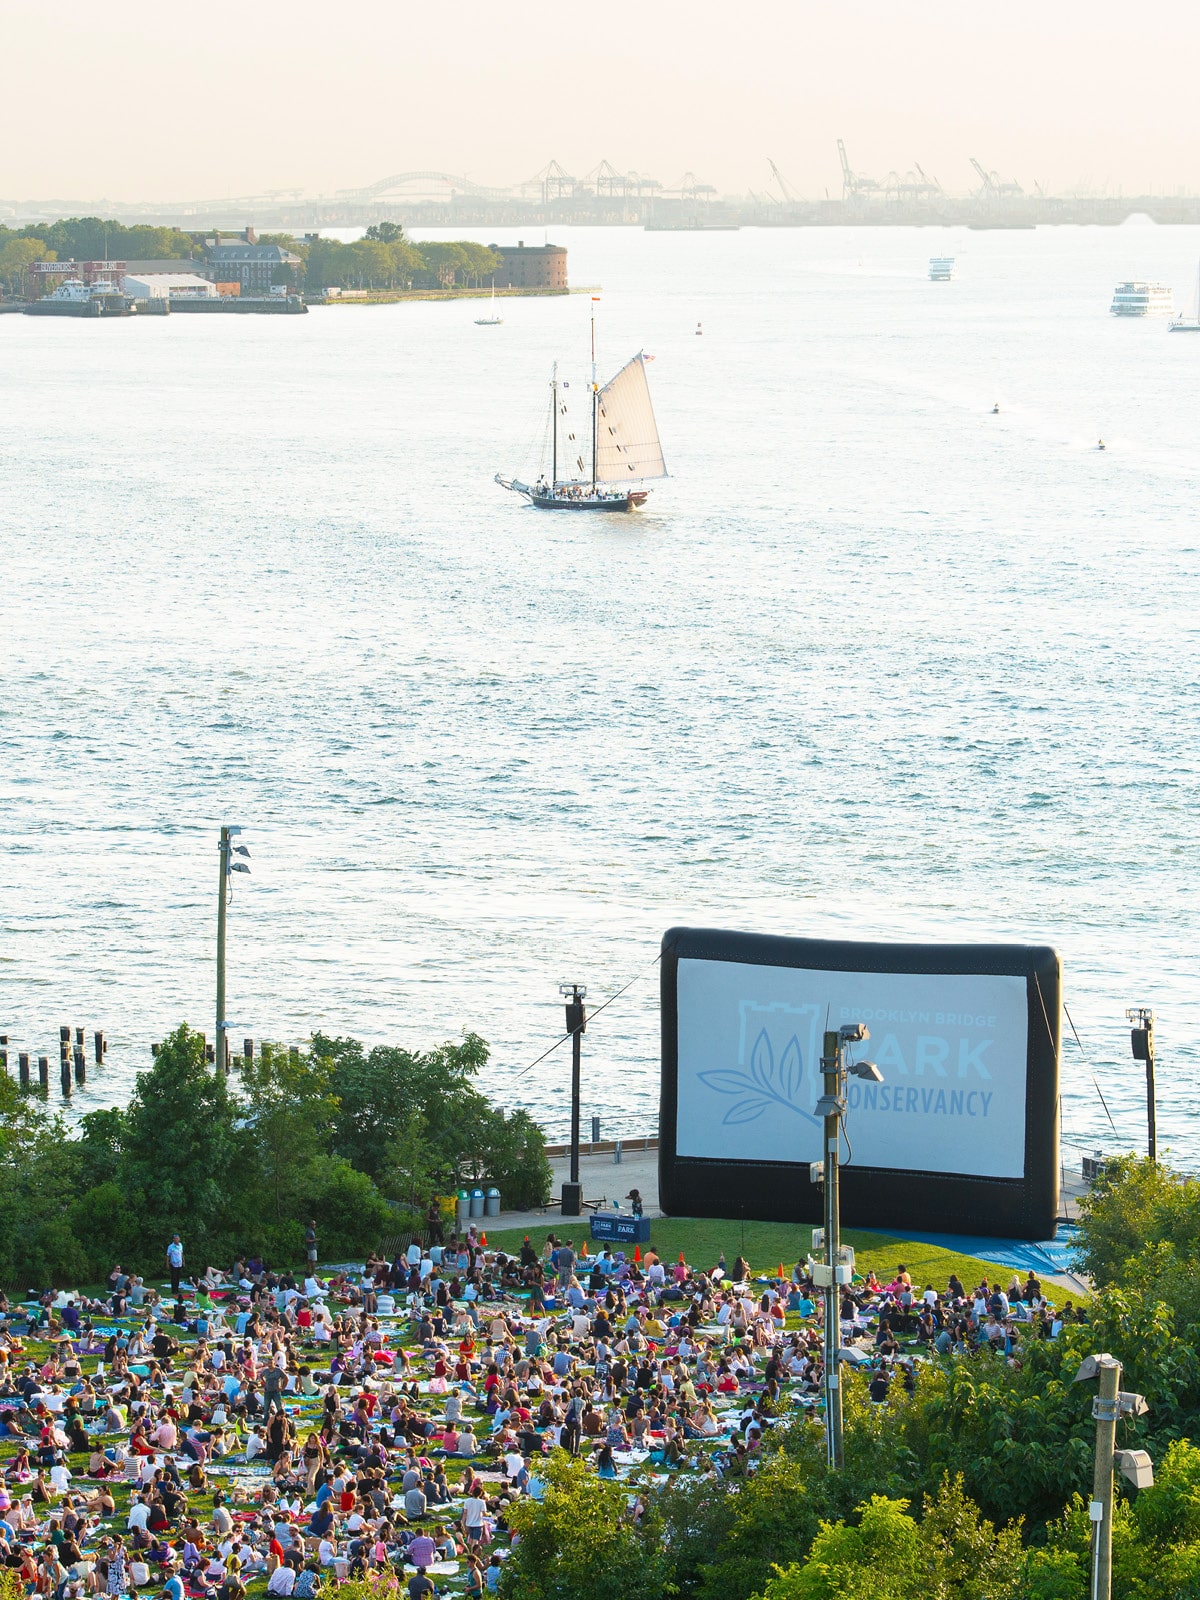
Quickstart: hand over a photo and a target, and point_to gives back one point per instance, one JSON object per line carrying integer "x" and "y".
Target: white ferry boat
{"x": 75, "y": 298}
{"x": 1142, "y": 300}
{"x": 941, "y": 269}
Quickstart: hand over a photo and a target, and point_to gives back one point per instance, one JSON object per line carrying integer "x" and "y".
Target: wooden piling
{"x": 248, "y": 1049}
{"x": 23, "y": 1067}
{"x": 66, "y": 1079}
{"x": 4, "y": 1054}
{"x": 44, "y": 1074}
{"x": 101, "y": 1046}
{"x": 80, "y": 1065}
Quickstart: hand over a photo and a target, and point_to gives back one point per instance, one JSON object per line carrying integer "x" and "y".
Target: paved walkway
{"x": 602, "y": 1179}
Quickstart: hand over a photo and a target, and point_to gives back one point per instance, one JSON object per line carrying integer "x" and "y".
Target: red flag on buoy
{"x": 637, "y": 1252}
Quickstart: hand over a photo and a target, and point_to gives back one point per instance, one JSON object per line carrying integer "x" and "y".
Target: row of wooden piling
{"x": 72, "y": 1060}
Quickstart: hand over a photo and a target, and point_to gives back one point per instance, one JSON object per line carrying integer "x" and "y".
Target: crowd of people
{"x": 263, "y": 1428}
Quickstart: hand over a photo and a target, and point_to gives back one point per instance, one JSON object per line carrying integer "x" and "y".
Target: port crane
{"x": 784, "y": 190}
{"x": 993, "y": 188}
{"x": 911, "y": 186}
{"x": 854, "y": 186}
{"x": 552, "y": 182}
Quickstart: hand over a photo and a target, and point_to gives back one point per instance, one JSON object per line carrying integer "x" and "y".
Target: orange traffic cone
{"x": 781, "y": 1269}
{"x": 483, "y": 1240}
{"x": 585, "y": 1249}
{"x": 682, "y": 1262}
{"x": 637, "y": 1252}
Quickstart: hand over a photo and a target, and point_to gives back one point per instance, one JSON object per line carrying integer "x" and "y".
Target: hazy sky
{"x": 156, "y": 102}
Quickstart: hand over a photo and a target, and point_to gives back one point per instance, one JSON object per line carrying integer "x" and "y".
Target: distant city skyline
{"x": 1073, "y": 97}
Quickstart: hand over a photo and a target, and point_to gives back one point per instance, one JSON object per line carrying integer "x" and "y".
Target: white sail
{"x": 627, "y": 442}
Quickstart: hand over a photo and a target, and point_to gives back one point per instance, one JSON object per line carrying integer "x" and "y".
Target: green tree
{"x": 16, "y": 257}
{"x": 288, "y": 1108}
{"x": 181, "y": 1148}
{"x": 883, "y": 1557}
{"x": 773, "y": 1518}
{"x": 379, "y": 1092}
{"x": 1134, "y": 1201}
{"x": 444, "y": 259}
{"x": 581, "y": 1543}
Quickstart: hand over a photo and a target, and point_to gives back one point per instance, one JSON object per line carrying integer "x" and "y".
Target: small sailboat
{"x": 1188, "y": 324}
{"x": 493, "y": 321}
{"x": 625, "y": 450}
{"x": 699, "y": 330}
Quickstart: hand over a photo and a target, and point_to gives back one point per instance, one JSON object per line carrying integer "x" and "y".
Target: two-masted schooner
{"x": 624, "y": 451}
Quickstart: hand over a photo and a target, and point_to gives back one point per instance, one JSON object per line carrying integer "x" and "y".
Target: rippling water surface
{"x": 873, "y": 662}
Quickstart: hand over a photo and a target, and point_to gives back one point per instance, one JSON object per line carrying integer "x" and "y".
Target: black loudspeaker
{"x": 572, "y": 1199}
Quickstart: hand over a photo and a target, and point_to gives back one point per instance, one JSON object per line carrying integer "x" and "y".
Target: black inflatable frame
{"x": 1018, "y": 1208}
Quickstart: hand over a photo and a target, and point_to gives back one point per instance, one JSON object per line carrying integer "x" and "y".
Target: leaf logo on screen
{"x": 769, "y": 1082}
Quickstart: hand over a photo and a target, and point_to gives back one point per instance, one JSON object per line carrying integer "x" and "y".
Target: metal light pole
{"x": 225, "y": 851}
{"x": 831, "y": 1275}
{"x": 831, "y": 1068}
{"x": 1141, "y": 1040}
{"x": 574, "y": 994}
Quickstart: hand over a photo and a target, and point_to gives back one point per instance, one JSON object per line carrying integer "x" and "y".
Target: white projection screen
{"x": 960, "y": 1137}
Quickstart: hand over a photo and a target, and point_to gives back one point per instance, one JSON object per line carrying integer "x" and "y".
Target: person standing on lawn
{"x": 175, "y": 1261}
{"x": 310, "y": 1243}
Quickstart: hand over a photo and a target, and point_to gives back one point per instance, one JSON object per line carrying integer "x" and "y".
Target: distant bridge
{"x": 400, "y": 180}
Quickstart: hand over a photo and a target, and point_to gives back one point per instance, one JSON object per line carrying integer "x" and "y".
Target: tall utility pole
{"x": 1106, "y": 1408}
{"x": 1109, "y": 1406}
{"x": 222, "y": 905}
{"x": 1141, "y": 1041}
{"x": 574, "y": 994}
{"x": 831, "y": 1275}
{"x": 831, "y": 1064}
{"x": 225, "y": 852}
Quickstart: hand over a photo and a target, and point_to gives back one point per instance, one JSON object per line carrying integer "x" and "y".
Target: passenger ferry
{"x": 1142, "y": 300}
{"x": 941, "y": 269}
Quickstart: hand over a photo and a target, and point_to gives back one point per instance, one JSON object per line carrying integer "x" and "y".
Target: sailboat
{"x": 1187, "y": 324}
{"x": 493, "y": 321}
{"x": 625, "y": 449}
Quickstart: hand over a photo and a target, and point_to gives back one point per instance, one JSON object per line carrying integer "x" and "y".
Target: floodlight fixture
{"x": 1090, "y": 1367}
{"x": 867, "y": 1070}
{"x": 854, "y": 1032}
{"x": 1136, "y": 1467}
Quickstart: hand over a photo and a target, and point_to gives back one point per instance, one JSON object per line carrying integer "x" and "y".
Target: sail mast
{"x": 595, "y": 395}
{"x": 554, "y": 423}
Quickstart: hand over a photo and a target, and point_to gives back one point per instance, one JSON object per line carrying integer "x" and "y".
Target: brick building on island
{"x": 539, "y": 266}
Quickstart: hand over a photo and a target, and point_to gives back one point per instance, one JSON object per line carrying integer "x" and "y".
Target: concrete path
{"x": 602, "y": 1179}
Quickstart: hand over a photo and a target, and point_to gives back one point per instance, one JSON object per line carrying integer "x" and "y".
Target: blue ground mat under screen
{"x": 1020, "y": 1255}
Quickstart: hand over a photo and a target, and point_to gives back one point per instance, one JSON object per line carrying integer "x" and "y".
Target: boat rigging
{"x": 625, "y": 449}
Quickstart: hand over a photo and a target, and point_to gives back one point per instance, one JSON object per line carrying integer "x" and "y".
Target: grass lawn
{"x": 766, "y": 1244}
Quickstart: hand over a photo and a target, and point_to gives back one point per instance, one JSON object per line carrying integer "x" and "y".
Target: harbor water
{"x": 875, "y": 661}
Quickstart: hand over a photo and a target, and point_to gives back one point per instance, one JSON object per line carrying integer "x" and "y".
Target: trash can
{"x": 476, "y": 1202}
{"x": 491, "y": 1203}
{"x": 462, "y": 1208}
